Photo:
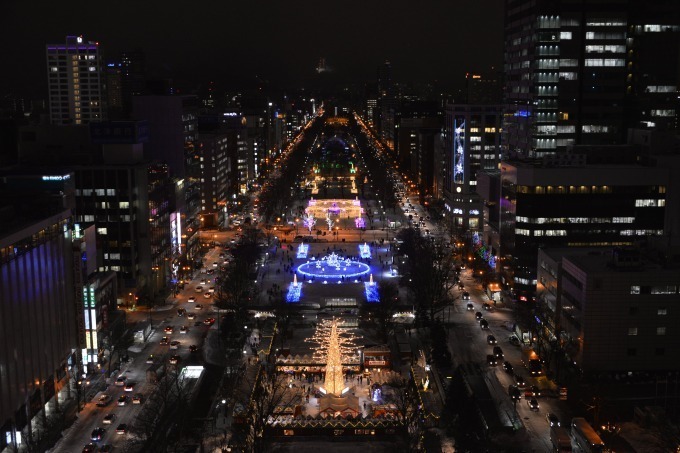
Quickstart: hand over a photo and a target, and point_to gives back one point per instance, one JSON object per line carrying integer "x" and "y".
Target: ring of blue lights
{"x": 365, "y": 269}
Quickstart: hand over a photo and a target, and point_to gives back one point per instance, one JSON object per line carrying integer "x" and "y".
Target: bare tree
{"x": 404, "y": 396}
{"x": 260, "y": 396}
{"x": 116, "y": 340}
{"x": 386, "y": 308}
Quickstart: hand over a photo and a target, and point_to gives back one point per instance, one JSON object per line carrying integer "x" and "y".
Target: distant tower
{"x": 74, "y": 82}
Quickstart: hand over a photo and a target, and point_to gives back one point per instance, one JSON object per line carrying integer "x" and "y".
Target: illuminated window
{"x": 632, "y": 331}
{"x": 661, "y": 331}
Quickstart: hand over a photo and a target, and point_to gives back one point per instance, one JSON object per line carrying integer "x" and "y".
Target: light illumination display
{"x": 333, "y": 266}
{"x": 483, "y": 252}
{"x": 371, "y": 291}
{"x": 302, "y": 250}
{"x": 294, "y": 290}
{"x": 360, "y": 223}
{"x": 335, "y": 346}
{"x": 309, "y": 221}
{"x": 459, "y": 152}
{"x": 330, "y": 222}
{"x": 365, "y": 250}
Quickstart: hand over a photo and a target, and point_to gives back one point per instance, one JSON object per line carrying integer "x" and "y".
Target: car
{"x": 486, "y": 306}
{"x": 137, "y": 398}
{"x": 169, "y": 330}
{"x": 207, "y": 295}
{"x": 121, "y": 429}
{"x": 514, "y": 340}
{"x": 498, "y": 352}
{"x": 150, "y": 359}
{"x": 470, "y": 306}
{"x": 484, "y": 324}
{"x": 532, "y": 390}
{"x": 199, "y": 289}
{"x": 109, "y": 419}
{"x": 215, "y": 264}
{"x": 130, "y": 387}
{"x": 97, "y": 434}
{"x": 520, "y": 382}
{"x": 191, "y": 316}
{"x": 209, "y": 321}
{"x": 479, "y": 316}
{"x": 552, "y": 419}
{"x": 120, "y": 382}
{"x": 491, "y": 339}
{"x": 183, "y": 329}
{"x": 164, "y": 341}
{"x": 175, "y": 345}
{"x": 122, "y": 400}
{"x": 203, "y": 282}
{"x": 507, "y": 366}
{"x": 198, "y": 307}
{"x": 514, "y": 393}
{"x": 491, "y": 360}
{"x": 193, "y": 348}
{"x": 174, "y": 360}
{"x": 104, "y": 400}
{"x": 90, "y": 448}
{"x": 191, "y": 300}
{"x": 181, "y": 312}
{"x": 466, "y": 295}
{"x": 533, "y": 404}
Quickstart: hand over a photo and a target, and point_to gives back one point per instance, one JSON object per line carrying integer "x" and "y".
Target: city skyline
{"x": 438, "y": 42}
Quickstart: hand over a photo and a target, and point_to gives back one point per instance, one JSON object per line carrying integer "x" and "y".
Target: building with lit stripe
{"x": 75, "y": 82}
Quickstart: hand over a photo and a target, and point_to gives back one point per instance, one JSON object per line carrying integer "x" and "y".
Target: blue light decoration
{"x": 360, "y": 223}
{"x": 302, "y": 250}
{"x": 294, "y": 292}
{"x": 483, "y": 252}
{"x": 459, "y": 151}
{"x": 333, "y": 267}
{"x": 365, "y": 250}
{"x": 371, "y": 291}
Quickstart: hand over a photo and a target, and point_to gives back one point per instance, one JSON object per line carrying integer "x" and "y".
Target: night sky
{"x": 280, "y": 41}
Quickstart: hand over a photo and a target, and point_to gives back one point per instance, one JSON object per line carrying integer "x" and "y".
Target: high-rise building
{"x": 212, "y": 148}
{"x": 133, "y": 76}
{"x": 473, "y": 144}
{"x": 75, "y": 82}
{"x": 584, "y": 72}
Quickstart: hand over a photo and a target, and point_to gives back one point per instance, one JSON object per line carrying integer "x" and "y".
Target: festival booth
{"x": 377, "y": 357}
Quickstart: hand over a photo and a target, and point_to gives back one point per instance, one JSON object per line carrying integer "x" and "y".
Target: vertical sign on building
{"x": 459, "y": 151}
{"x": 78, "y": 291}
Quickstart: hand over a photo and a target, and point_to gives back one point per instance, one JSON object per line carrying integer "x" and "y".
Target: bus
{"x": 560, "y": 439}
{"x": 532, "y": 362}
{"x": 585, "y": 436}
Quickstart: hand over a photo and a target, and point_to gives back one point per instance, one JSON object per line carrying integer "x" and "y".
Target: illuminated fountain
{"x": 333, "y": 267}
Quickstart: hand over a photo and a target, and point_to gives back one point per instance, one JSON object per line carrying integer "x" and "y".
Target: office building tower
{"x": 472, "y": 144}
{"x": 585, "y": 72}
{"x": 133, "y": 76}
{"x": 75, "y": 82}
{"x": 212, "y": 148}
{"x": 608, "y": 310}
